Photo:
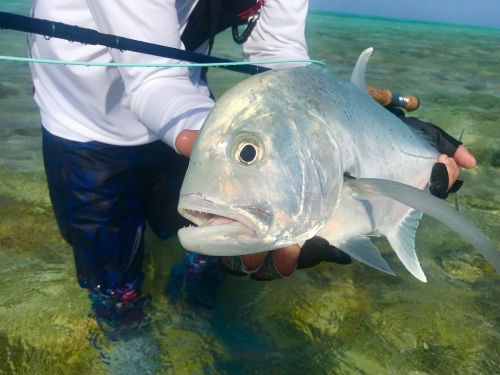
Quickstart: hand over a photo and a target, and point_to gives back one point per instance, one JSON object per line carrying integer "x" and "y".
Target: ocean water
{"x": 327, "y": 320}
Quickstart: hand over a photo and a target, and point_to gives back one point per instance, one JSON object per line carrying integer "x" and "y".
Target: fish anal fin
{"x": 363, "y": 250}
{"x": 402, "y": 240}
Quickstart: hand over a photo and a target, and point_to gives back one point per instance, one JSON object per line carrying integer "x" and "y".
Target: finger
{"x": 439, "y": 181}
{"x": 285, "y": 259}
{"x": 463, "y": 158}
{"x": 242, "y": 265}
{"x": 184, "y": 141}
{"x": 451, "y": 167}
{"x": 253, "y": 261}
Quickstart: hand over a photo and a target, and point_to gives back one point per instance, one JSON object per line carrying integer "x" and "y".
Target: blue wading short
{"x": 103, "y": 195}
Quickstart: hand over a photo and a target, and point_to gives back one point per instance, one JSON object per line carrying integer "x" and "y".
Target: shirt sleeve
{"x": 279, "y": 33}
{"x": 165, "y": 100}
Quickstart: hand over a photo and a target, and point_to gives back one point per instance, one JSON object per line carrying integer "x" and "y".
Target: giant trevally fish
{"x": 289, "y": 154}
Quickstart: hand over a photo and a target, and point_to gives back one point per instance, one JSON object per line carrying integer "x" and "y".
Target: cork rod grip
{"x": 386, "y": 97}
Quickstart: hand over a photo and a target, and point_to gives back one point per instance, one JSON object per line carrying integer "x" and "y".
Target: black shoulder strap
{"x": 210, "y": 17}
{"x": 215, "y": 9}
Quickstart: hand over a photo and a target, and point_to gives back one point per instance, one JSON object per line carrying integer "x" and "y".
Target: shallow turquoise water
{"x": 329, "y": 320}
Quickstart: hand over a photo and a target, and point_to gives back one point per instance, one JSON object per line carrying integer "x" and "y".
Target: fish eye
{"x": 246, "y": 149}
{"x": 247, "y": 153}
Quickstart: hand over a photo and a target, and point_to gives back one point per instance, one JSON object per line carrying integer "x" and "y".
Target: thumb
{"x": 184, "y": 142}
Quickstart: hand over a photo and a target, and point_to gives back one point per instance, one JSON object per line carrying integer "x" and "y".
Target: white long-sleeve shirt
{"x": 131, "y": 105}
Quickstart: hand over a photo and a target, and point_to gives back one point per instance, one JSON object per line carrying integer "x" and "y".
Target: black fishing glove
{"x": 313, "y": 252}
{"x": 445, "y": 144}
{"x": 440, "y": 181}
{"x": 317, "y": 250}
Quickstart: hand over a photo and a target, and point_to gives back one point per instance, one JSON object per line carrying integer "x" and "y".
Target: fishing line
{"x": 50, "y": 29}
{"x": 176, "y": 65}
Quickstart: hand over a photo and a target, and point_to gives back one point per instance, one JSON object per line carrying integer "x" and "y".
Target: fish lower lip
{"x": 228, "y": 239}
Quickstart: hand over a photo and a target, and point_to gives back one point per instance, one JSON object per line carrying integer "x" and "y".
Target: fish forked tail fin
{"x": 432, "y": 206}
{"x": 359, "y": 72}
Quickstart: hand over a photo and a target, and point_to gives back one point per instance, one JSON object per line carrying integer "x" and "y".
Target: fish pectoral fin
{"x": 359, "y": 72}
{"x": 402, "y": 240}
{"x": 363, "y": 250}
{"x": 429, "y": 205}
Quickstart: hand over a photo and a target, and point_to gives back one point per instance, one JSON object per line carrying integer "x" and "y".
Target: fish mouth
{"x": 222, "y": 230}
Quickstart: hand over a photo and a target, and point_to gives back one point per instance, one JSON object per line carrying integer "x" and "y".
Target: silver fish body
{"x": 268, "y": 169}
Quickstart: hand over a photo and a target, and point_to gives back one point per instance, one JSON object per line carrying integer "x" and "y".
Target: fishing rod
{"x": 58, "y": 30}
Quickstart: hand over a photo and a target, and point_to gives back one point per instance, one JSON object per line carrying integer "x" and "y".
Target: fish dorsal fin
{"x": 363, "y": 250}
{"x": 359, "y": 72}
{"x": 402, "y": 240}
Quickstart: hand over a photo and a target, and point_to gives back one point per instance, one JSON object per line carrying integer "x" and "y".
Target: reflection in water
{"x": 331, "y": 319}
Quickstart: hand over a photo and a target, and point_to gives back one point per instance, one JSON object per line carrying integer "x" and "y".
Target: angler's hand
{"x": 282, "y": 263}
{"x": 444, "y": 178}
{"x": 444, "y": 175}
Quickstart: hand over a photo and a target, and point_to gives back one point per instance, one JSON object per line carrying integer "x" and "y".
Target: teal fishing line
{"x": 188, "y": 65}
